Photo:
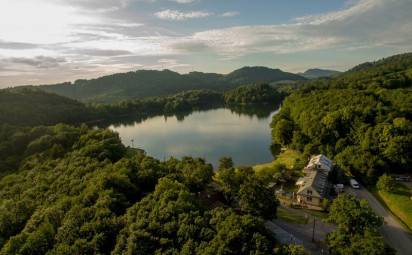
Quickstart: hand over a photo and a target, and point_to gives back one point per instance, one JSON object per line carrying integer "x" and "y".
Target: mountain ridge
{"x": 148, "y": 83}
{"x": 314, "y": 73}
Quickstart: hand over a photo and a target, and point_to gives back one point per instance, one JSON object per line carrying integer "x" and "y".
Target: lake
{"x": 211, "y": 134}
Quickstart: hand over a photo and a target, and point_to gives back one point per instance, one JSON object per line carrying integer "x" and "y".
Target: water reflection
{"x": 240, "y": 133}
{"x": 255, "y": 111}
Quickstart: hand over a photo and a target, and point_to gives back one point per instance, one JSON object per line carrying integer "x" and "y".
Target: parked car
{"x": 354, "y": 184}
{"x": 339, "y": 188}
{"x": 402, "y": 178}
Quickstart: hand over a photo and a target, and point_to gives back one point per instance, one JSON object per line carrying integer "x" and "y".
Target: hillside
{"x": 259, "y": 74}
{"x": 81, "y": 191}
{"x": 31, "y": 107}
{"x": 392, "y": 72}
{"x": 364, "y": 112}
{"x": 35, "y": 107}
{"x": 149, "y": 83}
{"x": 318, "y": 73}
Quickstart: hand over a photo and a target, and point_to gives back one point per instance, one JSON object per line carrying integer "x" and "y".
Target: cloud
{"x": 39, "y": 61}
{"x": 366, "y": 23}
{"x": 230, "y": 14}
{"x": 17, "y": 45}
{"x": 80, "y": 41}
{"x": 97, "y": 5}
{"x": 179, "y": 16}
{"x": 176, "y": 1}
{"x": 183, "y": 1}
{"x": 188, "y": 45}
{"x": 166, "y": 63}
{"x": 102, "y": 52}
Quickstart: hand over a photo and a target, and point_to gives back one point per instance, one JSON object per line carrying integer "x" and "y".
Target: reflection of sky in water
{"x": 208, "y": 134}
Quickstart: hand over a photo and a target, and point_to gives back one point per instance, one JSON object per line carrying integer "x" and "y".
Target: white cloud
{"x": 179, "y": 16}
{"x": 230, "y": 14}
{"x": 367, "y": 23}
{"x": 183, "y": 1}
{"x": 108, "y": 41}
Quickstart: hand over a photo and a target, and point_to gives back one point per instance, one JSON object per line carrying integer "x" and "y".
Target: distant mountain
{"x": 151, "y": 83}
{"x": 259, "y": 74}
{"x": 318, "y": 73}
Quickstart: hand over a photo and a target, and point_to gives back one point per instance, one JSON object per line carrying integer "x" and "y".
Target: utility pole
{"x": 313, "y": 230}
{"x": 132, "y": 143}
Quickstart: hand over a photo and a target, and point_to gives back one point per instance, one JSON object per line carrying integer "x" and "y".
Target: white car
{"x": 354, "y": 184}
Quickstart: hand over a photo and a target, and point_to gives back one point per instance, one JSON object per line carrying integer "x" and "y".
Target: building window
{"x": 309, "y": 199}
{"x": 309, "y": 192}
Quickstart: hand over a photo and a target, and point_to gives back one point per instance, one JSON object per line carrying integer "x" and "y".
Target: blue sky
{"x": 48, "y": 41}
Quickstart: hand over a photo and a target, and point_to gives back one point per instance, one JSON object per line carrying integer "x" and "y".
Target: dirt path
{"x": 393, "y": 232}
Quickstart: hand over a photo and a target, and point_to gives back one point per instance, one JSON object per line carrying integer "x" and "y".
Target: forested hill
{"x": 31, "y": 107}
{"x": 362, "y": 118}
{"x": 318, "y": 73}
{"x": 28, "y": 107}
{"x": 260, "y": 74}
{"x": 80, "y": 191}
{"x": 149, "y": 83}
{"x": 392, "y": 72}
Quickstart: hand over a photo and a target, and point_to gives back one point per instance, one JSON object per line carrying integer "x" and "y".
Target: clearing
{"x": 289, "y": 158}
{"x": 399, "y": 202}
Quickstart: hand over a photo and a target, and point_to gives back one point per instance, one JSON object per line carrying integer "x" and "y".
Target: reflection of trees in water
{"x": 275, "y": 149}
{"x": 259, "y": 111}
{"x": 136, "y": 118}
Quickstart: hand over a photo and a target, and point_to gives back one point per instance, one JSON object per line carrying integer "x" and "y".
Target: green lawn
{"x": 287, "y": 157}
{"x": 317, "y": 214}
{"x": 290, "y": 216}
{"x": 399, "y": 202}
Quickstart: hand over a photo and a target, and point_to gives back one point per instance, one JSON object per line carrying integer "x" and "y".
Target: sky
{"x": 50, "y": 41}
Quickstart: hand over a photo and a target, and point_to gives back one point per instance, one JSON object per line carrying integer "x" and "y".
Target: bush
{"x": 386, "y": 183}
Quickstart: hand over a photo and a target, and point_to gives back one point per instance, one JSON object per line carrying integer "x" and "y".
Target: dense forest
{"x": 362, "y": 118}
{"x": 80, "y": 191}
{"x": 76, "y": 189}
{"x": 30, "y": 107}
{"x": 258, "y": 94}
{"x": 149, "y": 83}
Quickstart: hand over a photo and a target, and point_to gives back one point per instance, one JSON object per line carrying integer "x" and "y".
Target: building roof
{"x": 320, "y": 162}
{"x": 316, "y": 181}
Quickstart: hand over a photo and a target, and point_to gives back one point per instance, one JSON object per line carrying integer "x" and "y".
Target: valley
{"x": 187, "y": 171}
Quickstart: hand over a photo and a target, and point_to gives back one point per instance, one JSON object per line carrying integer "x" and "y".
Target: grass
{"x": 287, "y": 157}
{"x": 399, "y": 203}
{"x": 316, "y": 214}
{"x": 290, "y": 216}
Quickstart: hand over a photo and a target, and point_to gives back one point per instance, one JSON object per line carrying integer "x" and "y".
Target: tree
{"x": 283, "y": 132}
{"x": 292, "y": 249}
{"x": 225, "y": 163}
{"x": 386, "y": 183}
{"x": 352, "y": 215}
{"x": 256, "y": 199}
{"x": 357, "y": 228}
{"x": 237, "y": 234}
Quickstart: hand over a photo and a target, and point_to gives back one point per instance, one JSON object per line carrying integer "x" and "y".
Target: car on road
{"x": 354, "y": 184}
{"x": 402, "y": 178}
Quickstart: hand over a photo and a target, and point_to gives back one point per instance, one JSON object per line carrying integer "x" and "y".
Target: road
{"x": 301, "y": 234}
{"x": 287, "y": 234}
{"x": 392, "y": 231}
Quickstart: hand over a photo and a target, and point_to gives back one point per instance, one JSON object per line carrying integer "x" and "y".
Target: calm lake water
{"x": 209, "y": 134}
